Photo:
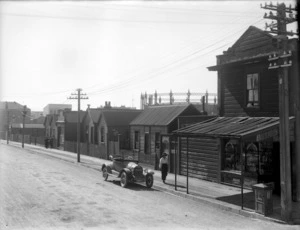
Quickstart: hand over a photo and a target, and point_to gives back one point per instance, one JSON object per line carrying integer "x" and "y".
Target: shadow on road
{"x": 131, "y": 186}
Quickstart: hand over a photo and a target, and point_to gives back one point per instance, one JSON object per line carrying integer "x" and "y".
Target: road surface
{"x": 42, "y": 192}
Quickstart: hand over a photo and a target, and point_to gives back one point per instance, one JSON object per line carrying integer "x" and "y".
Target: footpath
{"x": 221, "y": 196}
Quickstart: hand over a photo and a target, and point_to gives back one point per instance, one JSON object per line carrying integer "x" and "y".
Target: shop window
{"x": 232, "y": 157}
{"x": 265, "y": 158}
{"x": 252, "y": 160}
{"x": 253, "y": 90}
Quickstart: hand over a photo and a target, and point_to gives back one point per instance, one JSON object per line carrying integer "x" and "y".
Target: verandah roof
{"x": 233, "y": 127}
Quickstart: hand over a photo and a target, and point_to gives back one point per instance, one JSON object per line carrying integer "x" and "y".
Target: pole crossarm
{"x": 280, "y": 60}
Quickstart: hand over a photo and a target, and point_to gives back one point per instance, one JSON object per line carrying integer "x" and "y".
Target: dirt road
{"x": 40, "y": 192}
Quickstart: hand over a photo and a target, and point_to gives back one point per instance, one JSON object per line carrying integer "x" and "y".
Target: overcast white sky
{"x": 115, "y": 50}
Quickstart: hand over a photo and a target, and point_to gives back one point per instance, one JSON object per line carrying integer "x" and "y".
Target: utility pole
{"x": 280, "y": 61}
{"x": 78, "y": 96}
{"x": 7, "y": 135}
{"x": 24, "y": 112}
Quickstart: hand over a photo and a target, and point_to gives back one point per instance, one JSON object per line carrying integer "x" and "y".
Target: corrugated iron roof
{"x": 161, "y": 115}
{"x": 95, "y": 114}
{"x": 235, "y": 127}
{"x": 120, "y": 117}
{"x": 71, "y": 116}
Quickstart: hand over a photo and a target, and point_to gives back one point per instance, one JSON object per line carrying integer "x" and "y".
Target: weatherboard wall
{"x": 203, "y": 160}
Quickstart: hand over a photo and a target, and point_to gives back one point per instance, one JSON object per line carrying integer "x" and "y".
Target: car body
{"x": 128, "y": 170}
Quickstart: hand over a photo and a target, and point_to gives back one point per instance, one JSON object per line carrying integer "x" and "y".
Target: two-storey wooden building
{"x": 247, "y": 131}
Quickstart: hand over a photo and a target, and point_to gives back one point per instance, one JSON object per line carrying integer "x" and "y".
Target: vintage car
{"x": 128, "y": 170}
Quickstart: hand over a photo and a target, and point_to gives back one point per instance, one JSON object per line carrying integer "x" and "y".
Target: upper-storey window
{"x": 253, "y": 90}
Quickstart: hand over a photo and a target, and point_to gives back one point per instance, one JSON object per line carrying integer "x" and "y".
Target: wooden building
{"x": 217, "y": 148}
{"x": 148, "y": 128}
{"x": 247, "y": 131}
{"x": 114, "y": 130}
{"x": 70, "y": 130}
{"x": 33, "y": 133}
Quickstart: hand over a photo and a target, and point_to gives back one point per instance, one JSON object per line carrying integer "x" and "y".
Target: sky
{"x": 115, "y": 50}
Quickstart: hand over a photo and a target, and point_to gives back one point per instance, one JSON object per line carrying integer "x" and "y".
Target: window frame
{"x": 102, "y": 134}
{"x": 247, "y": 101}
{"x": 136, "y": 143}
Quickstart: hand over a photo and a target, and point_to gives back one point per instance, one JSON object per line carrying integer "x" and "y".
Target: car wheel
{"x": 124, "y": 180}
{"x": 149, "y": 180}
{"x": 105, "y": 173}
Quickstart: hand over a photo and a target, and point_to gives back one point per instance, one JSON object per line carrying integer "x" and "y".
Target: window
{"x": 102, "y": 134}
{"x": 253, "y": 90}
{"x": 147, "y": 144}
{"x": 232, "y": 157}
{"x": 252, "y": 160}
{"x": 157, "y": 140}
{"x": 92, "y": 135}
{"x": 136, "y": 140}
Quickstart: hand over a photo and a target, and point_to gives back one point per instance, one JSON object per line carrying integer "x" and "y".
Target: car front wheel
{"x": 149, "y": 180}
{"x": 124, "y": 180}
{"x": 105, "y": 173}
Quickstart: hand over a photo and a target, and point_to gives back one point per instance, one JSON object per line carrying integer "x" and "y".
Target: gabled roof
{"x": 231, "y": 127}
{"x": 119, "y": 117}
{"x": 163, "y": 115}
{"x": 252, "y": 38}
{"x": 252, "y": 45}
{"x": 94, "y": 114}
{"x": 71, "y": 116}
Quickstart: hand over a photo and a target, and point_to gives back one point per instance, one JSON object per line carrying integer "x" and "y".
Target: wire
{"x": 125, "y": 83}
{"x": 107, "y": 19}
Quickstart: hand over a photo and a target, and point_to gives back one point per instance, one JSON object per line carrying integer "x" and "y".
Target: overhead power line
{"x": 159, "y": 72}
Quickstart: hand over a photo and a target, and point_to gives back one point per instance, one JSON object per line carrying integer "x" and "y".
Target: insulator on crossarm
{"x": 271, "y": 4}
{"x": 271, "y": 14}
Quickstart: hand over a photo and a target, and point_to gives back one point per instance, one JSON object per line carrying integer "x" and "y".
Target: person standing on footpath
{"x": 163, "y": 166}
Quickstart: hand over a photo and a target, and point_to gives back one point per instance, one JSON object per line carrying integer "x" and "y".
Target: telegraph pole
{"x": 24, "y": 112}
{"x": 280, "y": 61}
{"x": 78, "y": 96}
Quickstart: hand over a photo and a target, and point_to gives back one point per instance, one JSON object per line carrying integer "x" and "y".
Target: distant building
{"x": 11, "y": 112}
{"x": 36, "y": 115}
{"x": 54, "y": 108}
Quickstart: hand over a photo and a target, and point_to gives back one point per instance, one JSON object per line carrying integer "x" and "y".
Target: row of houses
{"x": 240, "y": 146}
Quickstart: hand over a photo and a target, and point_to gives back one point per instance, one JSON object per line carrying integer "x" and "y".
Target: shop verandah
{"x": 239, "y": 151}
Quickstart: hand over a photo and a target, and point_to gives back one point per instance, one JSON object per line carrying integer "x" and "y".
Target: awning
{"x": 254, "y": 128}
{"x": 241, "y": 61}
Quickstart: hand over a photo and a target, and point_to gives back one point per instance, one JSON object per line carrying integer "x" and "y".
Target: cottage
{"x": 151, "y": 128}
{"x": 114, "y": 130}
{"x": 70, "y": 130}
